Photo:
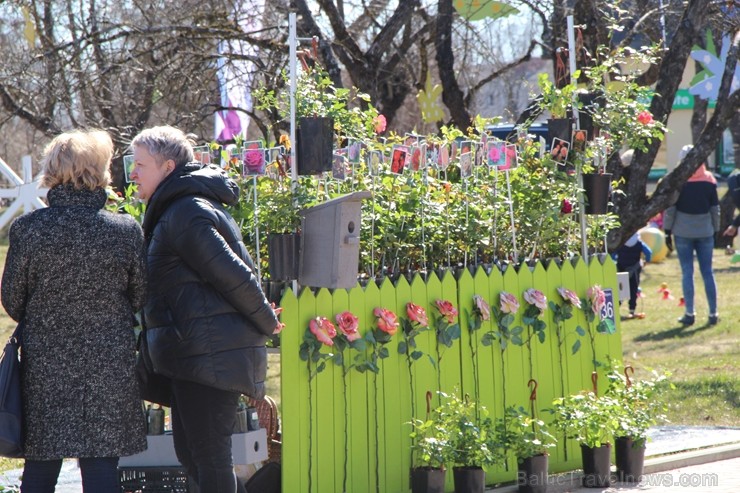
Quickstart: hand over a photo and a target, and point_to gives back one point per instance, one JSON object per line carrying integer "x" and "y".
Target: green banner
{"x": 685, "y": 100}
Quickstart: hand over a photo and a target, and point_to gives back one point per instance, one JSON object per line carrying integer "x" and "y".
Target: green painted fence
{"x": 348, "y": 431}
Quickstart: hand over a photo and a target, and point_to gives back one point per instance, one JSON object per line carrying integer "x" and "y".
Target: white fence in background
{"x": 23, "y": 192}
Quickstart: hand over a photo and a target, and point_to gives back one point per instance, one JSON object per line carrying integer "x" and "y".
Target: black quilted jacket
{"x": 206, "y": 316}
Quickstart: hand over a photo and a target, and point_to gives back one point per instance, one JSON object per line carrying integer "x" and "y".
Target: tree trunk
{"x": 452, "y": 95}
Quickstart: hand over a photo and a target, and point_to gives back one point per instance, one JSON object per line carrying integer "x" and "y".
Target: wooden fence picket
{"x": 349, "y": 431}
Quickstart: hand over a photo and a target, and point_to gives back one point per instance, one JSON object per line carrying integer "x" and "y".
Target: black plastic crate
{"x": 153, "y": 480}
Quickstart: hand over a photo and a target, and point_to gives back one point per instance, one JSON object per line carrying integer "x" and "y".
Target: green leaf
{"x": 576, "y": 347}
{"x": 541, "y": 336}
{"x": 370, "y": 337}
{"x": 454, "y": 331}
{"x": 416, "y": 355}
{"x": 383, "y": 353}
{"x": 580, "y": 331}
{"x": 338, "y": 359}
{"x": 402, "y": 347}
{"x": 487, "y": 339}
{"x": 358, "y": 344}
{"x": 303, "y": 352}
{"x": 517, "y": 340}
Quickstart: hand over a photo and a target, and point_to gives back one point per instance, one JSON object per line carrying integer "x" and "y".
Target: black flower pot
{"x": 283, "y": 255}
{"x": 469, "y": 479}
{"x": 532, "y": 474}
{"x": 596, "y": 466}
{"x": 427, "y": 480}
{"x": 597, "y": 188}
{"x": 315, "y": 145}
{"x": 630, "y": 459}
{"x": 559, "y": 128}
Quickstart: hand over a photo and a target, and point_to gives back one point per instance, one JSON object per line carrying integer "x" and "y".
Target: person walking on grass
{"x": 629, "y": 259}
{"x": 694, "y": 221}
{"x": 74, "y": 276}
{"x": 206, "y": 319}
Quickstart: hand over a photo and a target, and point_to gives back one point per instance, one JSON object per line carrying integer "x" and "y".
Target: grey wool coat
{"x": 75, "y": 274}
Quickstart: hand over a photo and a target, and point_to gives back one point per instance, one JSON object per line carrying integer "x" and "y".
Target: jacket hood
{"x": 192, "y": 179}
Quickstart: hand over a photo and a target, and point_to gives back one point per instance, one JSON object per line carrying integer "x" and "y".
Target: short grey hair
{"x": 165, "y": 143}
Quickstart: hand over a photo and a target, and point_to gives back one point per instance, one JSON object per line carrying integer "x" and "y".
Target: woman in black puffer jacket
{"x": 207, "y": 319}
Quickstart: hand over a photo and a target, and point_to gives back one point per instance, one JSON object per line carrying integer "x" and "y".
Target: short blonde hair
{"x": 80, "y": 158}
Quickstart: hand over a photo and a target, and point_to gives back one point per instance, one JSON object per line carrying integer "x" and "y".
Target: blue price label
{"x": 607, "y": 311}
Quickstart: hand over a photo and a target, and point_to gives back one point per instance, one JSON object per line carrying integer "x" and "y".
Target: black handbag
{"x": 11, "y": 406}
{"x": 153, "y": 387}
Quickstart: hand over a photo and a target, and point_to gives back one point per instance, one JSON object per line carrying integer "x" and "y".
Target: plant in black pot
{"x": 430, "y": 452}
{"x": 471, "y": 443}
{"x": 642, "y": 407}
{"x": 279, "y": 223}
{"x": 591, "y": 421}
{"x": 557, "y": 101}
{"x": 528, "y": 439}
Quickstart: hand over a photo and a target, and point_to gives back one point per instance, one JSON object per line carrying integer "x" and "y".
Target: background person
{"x": 629, "y": 259}
{"x": 75, "y": 275}
{"x": 206, "y": 317}
{"x": 694, "y": 220}
{"x": 733, "y": 188}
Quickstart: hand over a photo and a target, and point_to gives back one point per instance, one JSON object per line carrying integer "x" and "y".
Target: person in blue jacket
{"x": 629, "y": 259}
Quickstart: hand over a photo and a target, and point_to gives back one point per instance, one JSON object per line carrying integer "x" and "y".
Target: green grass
{"x": 703, "y": 359}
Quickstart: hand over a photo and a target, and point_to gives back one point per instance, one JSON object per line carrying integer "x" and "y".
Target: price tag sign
{"x": 607, "y": 311}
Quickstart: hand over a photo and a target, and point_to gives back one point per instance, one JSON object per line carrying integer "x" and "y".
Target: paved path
{"x": 672, "y": 472}
{"x": 713, "y": 477}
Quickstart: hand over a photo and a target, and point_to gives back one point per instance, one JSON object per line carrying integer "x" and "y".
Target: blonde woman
{"x": 74, "y": 275}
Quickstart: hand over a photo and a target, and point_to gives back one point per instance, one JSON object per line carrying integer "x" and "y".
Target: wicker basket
{"x": 153, "y": 480}
{"x": 267, "y": 412}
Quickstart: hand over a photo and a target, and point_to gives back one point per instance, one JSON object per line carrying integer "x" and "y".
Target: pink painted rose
{"x": 348, "y": 325}
{"x": 254, "y": 159}
{"x": 645, "y": 117}
{"x": 417, "y": 314}
{"x": 379, "y": 123}
{"x": 509, "y": 303}
{"x": 446, "y": 309}
{"x": 387, "y": 321}
{"x": 482, "y": 307}
{"x": 597, "y": 297}
{"x": 570, "y": 297}
{"x": 536, "y": 297}
{"x": 494, "y": 154}
{"x": 323, "y": 330}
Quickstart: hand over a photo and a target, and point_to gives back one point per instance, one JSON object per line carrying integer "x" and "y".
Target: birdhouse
{"x": 330, "y": 242}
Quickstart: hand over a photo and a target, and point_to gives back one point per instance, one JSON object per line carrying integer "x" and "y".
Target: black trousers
{"x": 99, "y": 475}
{"x": 202, "y": 422}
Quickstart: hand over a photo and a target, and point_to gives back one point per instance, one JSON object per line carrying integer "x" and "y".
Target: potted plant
{"x": 528, "y": 439}
{"x": 592, "y": 422}
{"x": 641, "y": 409}
{"x": 557, "y": 101}
{"x": 429, "y": 453}
{"x": 471, "y": 444}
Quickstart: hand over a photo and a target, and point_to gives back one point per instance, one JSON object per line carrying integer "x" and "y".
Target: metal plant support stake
{"x": 579, "y": 171}
{"x": 256, "y": 228}
{"x": 511, "y": 215}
